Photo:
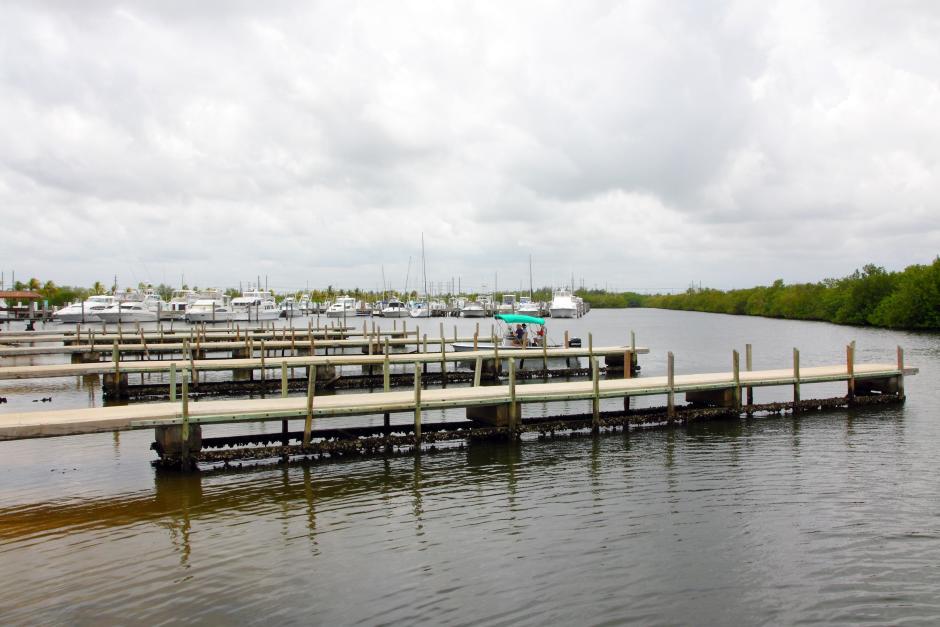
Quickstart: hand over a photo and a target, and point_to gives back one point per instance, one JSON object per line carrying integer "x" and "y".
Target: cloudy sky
{"x": 634, "y": 145}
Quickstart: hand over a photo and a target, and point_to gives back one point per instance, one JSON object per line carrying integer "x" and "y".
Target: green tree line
{"x": 909, "y": 299}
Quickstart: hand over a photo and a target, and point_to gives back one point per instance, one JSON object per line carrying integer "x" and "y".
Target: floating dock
{"x": 178, "y": 424}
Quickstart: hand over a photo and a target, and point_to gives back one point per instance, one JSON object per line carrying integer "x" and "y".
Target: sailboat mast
{"x": 424, "y": 272}
{"x": 530, "y": 277}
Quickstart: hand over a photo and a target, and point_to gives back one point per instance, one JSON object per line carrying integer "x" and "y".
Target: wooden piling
{"x": 477, "y": 372}
{"x": 311, "y": 390}
{"x": 670, "y": 387}
{"x": 850, "y": 369}
{"x": 185, "y": 461}
{"x": 736, "y": 373}
{"x": 512, "y": 421}
{"x": 748, "y": 366}
{"x": 796, "y": 381}
{"x": 901, "y": 370}
{"x": 596, "y": 398}
{"x": 417, "y": 407}
{"x": 173, "y": 382}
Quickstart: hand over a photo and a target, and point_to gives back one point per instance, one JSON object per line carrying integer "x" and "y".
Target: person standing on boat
{"x": 520, "y": 333}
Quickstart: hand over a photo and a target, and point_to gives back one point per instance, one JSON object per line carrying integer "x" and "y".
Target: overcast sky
{"x": 634, "y": 145}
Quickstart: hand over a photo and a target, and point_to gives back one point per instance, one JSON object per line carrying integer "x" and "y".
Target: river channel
{"x": 829, "y": 517}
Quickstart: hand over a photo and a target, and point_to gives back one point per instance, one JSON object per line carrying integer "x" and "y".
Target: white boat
{"x": 290, "y": 308}
{"x": 438, "y": 308}
{"x": 86, "y": 311}
{"x": 342, "y": 307}
{"x": 420, "y": 310}
{"x": 255, "y": 305}
{"x": 305, "y": 305}
{"x": 563, "y": 305}
{"x": 526, "y": 333}
{"x": 130, "y": 311}
{"x": 473, "y": 309}
{"x": 216, "y": 309}
{"x": 508, "y": 305}
{"x": 528, "y": 307}
{"x": 180, "y": 300}
{"x": 395, "y": 309}
{"x": 5, "y": 312}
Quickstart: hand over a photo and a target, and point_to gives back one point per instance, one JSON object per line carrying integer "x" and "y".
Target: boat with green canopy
{"x": 515, "y": 331}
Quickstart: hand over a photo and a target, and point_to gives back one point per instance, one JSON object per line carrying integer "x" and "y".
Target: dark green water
{"x": 826, "y": 518}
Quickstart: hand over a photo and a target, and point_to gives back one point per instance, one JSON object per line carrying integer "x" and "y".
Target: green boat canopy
{"x": 517, "y": 319}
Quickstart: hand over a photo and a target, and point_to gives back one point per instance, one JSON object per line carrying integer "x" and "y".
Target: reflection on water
{"x": 819, "y": 518}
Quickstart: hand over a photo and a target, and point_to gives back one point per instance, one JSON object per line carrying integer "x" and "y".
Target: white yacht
{"x": 130, "y": 311}
{"x": 528, "y": 307}
{"x": 420, "y": 310}
{"x": 86, "y": 311}
{"x": 395, "y": 309}
{"x": 290, "y": 308}
{"x": 255, "y": 305}
{"x": 438, "y": 308}
{"x": 305, "y": 306}
{"x": 473, "y": 309}
{"x": 344, "y": 306}
{"x": 563, "y": 305}
{"x": 215, "y": 308}
{"x": 180, "y": 301}
{"x": 508, "y": 305}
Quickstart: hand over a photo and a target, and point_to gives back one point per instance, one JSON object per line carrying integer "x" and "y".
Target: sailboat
{"x": 422, "y": 309}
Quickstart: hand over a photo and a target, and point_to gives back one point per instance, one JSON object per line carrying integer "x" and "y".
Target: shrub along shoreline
{"x": 909, "y": 299}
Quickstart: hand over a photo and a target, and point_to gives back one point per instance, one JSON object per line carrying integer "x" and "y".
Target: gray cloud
{"x": 634, "y": 144}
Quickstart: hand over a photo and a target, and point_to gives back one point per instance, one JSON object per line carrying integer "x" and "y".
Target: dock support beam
{"x": 670, "y": 384}
{"x": 796, "y": 381}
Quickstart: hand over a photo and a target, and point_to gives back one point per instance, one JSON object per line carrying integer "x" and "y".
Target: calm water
{"x": 828, "y": 518}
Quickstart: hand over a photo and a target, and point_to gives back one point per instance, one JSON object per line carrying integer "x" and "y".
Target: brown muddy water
{"x": 831, "y": 517}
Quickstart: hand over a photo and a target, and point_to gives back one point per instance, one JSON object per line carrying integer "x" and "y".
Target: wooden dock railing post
{"x": 901, "y": 371}
{"x": 850, "y": 369}
{"x": 670, "y": 386}
{"x": 736, "y": 371}
{"x": 262, "y": 366}
{"x": 285, "y": 439}
{"x": 173, "y": 382}
{"x": 796, "y": 381}
{"x": 185, "y": 461}
{"x": 477, "y": 372}
{"x": 311, "y": 391}
{"x": 417, "y": 406}
{"x": 512, "y": 397}
{"x": 748, "y": 366}
{"x": 596, "y": 397}
{"x": 443, "y": 358}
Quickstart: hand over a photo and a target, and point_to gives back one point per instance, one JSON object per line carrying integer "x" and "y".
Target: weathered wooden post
{"x": 192, "y": 363}
{"x": 185, "y": 460}
{"x": 748, "y": 365}
{"x": 173, "y": 382}
{"x": 477, "y": 372}
{"x": 736, "y": 369}
{"x": 850, "y": 369}
{"x": 511, "y": 422}
{"x": 901, "y": 371}
{"x": 796, "y": 381}
{"x": 670, "y": 387}
{"x": 311, "y": 390}
{"x": 262, "y": 366}
{"x": 417, "y": 406}
{"x": 596, "y": 397}
{"x": 443, "y": 358}
{"x": 566, "y": 338}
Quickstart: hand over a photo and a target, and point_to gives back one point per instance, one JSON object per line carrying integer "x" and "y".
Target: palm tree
{"x": 34, "y": 284}
{"x": 97, "y": 288}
